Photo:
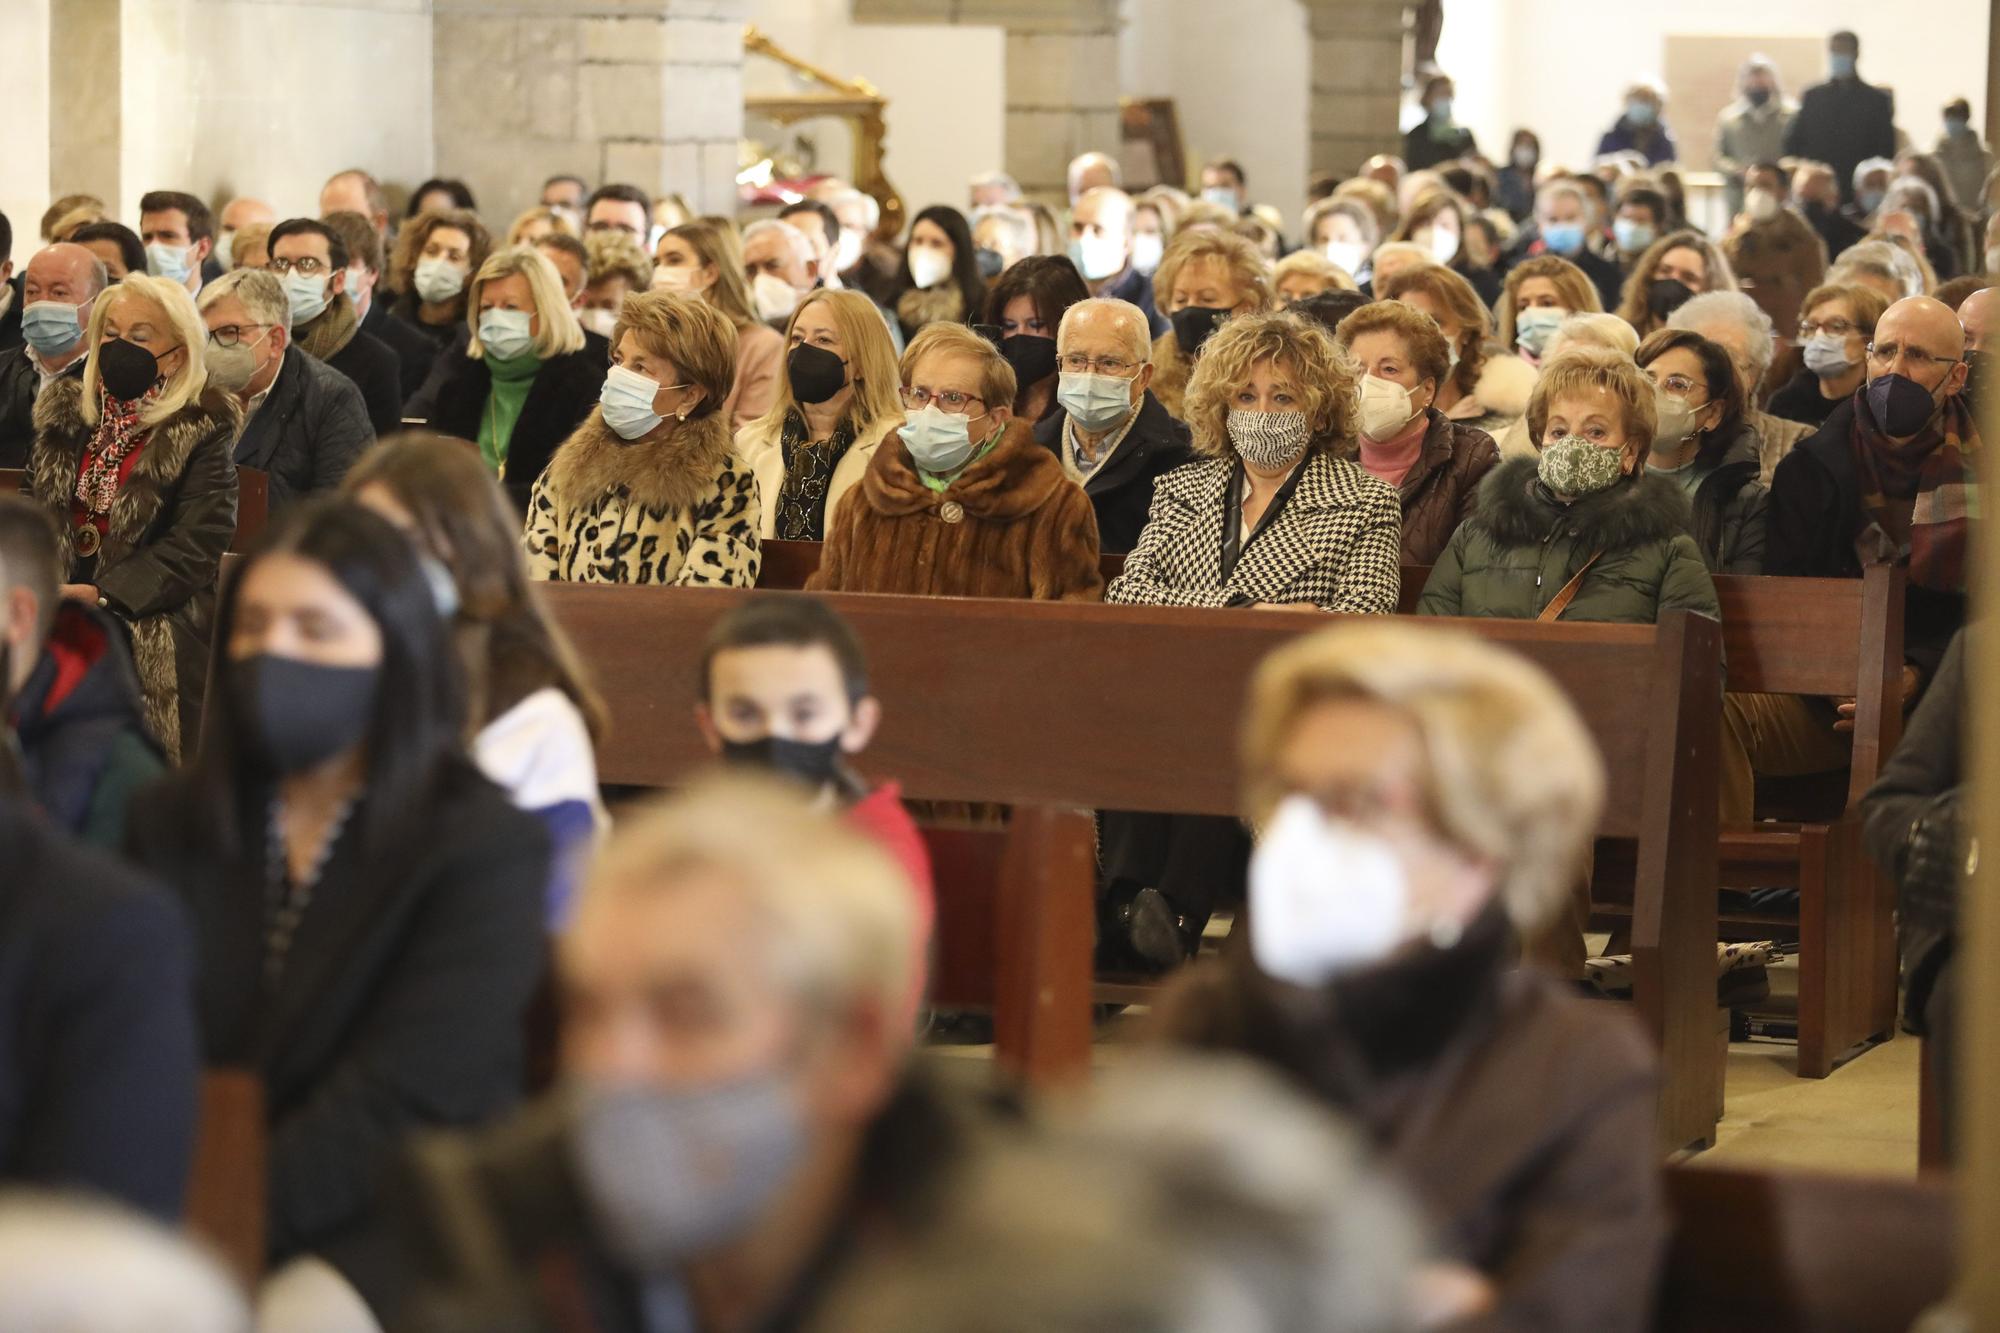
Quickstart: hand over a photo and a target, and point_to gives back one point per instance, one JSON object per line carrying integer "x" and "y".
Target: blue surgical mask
{"x": 307, "y": 295}
{"x": 1223, "y": 195}
{"x": 168, "y": 261}
{"x": 1563, "y": 238}
{"x": 1441, "y": 110}
{"x": 1093, "y": 401}
{"x": 1632, "y": 235}
{"x": 504, "y": 333}
{"x": 1841, "y": 66}
{"x": 627, "y": 403}
{"x": 939, "y": 442}
{"x": 1534, "y": 326}
{"x": 1640, "y": 113}
{"x": 52, "y": 327}
{"x": 225, "y": 249}
{"x": 1868, "y": 200}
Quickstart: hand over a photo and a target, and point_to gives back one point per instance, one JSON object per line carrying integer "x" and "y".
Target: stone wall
{"x": 644, "y": 91}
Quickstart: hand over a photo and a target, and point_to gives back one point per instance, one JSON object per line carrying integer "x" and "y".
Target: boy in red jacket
{"x": 786, "y": 688}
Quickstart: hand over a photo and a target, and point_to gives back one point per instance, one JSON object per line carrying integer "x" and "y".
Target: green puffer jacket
{"x": 1521, "y": 546}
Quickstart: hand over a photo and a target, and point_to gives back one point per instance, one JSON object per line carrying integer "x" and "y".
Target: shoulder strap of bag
{"x": 1560, "y": 602}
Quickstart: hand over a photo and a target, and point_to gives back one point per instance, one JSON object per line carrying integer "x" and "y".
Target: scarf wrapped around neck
{"x": 1936, "y": 473}
{"x": 330, "y": 330}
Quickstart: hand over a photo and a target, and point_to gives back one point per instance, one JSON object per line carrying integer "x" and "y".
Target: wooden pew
{"x": 253, "y": 501}
{"x": 1798, "y": 1252}
{"x": 1079, "y": 706}
{"x": 228, "y": 1188}
{"x": 1835, "y": 638}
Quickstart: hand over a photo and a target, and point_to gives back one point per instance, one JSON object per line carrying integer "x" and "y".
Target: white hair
{"x": 1904, "y": 187}
{"x": 869, "y": 204}
{"x": 1882, "y": 259}
{"x": 1018, "y": 221}
{"x": 1869, "y": 165}
{"x": 260, "y": 292}
{"x": 1591, "y": 329}
{"x": 1131, "y": 320}
{"x": 1083, "y": 162}
{"x": 801, "y": 243}
{"x": 999, "y": 178}
{"x": 1759, "y": 63}
{"x": 1555, "y": 189}
{"x": 1107, "y": 194}
{"x": 82, "y": 1266}
{"x": 1711, "y": 308}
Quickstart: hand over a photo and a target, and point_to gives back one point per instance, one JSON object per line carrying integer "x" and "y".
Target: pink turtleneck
{"x": 1391, "y": 460}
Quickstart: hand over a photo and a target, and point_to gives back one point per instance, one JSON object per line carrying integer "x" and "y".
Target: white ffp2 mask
{"x": 1325, "y": 897}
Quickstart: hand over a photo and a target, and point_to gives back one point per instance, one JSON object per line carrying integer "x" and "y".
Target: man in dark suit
{"x": 60, "y": 275}
{"x": 1113, "y": 436}
{"x": 1843, "y": 120}
{"x": 99, "y": 1067}
{"x": 310, "y": 259}
{"x": 414, "y": 352}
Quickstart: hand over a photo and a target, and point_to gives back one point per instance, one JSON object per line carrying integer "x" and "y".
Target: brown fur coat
{"x": 170, "y": 525}
{"x": 680, "y": 510}
{"x": 1012, "y": 525}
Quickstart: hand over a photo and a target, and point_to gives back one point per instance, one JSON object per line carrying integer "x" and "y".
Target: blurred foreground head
{"x": 70, "y": 1265}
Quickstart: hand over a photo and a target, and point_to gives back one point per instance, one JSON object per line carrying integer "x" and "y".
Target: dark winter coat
{"x": 1442, "y": 486}
{"x": 1799, "y": 399}
{"x": 99, "y": 1065}
{"x": 170, "y": 525}
{"x": 311, "y": 428}
{"x": 401, "y": 1002}
{"x": 565, "y": 390}
{"x": 1121, "y": 491}
{"x": 82, "y": 728}
{"x": 1816, "y": 514}
{"x": 1522, "y": 545}
{"x": 19, "y": 383}
{"x": 1730, "y": 507}
{"x": 415, "y": 351}
{"x": 1840, "y": 122}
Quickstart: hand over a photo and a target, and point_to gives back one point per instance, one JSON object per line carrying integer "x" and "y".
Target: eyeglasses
{"x": 1914, "y": 358}
{"x": 1680, "y": 386}
{"x": 1076, "y": 363}
{"x": 1839, "y": 328}
{"x": 950, "y": 400}
{"x": 233, "y": 335}
{"x": 309, "y": 266}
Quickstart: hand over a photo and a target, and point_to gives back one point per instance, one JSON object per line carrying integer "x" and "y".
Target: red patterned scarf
{"x": 118, "y": 435}
{"x": 1936, "y": 473}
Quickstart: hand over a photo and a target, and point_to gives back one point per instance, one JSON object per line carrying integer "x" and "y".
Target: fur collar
{"x": 1015, "y": 479}
{"x": 1505, "y": 384}
{"x": 672, "y": 473}
{"x": 1517, "y": 511}
{"x": 943, "y": 304}
{"x": 61, "y": 435}
{"x": 330, "y": 330}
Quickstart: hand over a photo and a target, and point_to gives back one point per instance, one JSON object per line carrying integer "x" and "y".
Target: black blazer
{"x": 378, "y": 373}
{"x": 402, "y": 999}
{"x": 1815, "y": 515}
{"x": 415, "y": 350}
{"x": 99, "y": 1064}
{"x": 564, "y": 391}
{"x": 1122, "y": 490}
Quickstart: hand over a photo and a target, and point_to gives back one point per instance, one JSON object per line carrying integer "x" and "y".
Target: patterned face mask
{"x": 1573, "y": 466}
{"x": 1268, "y": 440}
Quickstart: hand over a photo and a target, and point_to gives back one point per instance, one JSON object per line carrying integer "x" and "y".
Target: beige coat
{"x": 760, "y": 359}
{"x": 758, "y": 445}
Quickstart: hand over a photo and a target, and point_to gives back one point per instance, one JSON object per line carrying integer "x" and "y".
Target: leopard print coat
{"x": 681, "y": 510}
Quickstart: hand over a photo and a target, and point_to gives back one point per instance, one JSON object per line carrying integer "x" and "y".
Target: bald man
{"x": 236, "y": 215}
{"x": 355, "y": 191}
{"x": 58, "y": 289}
{"x": 1978, "y": 314}
{"x": 1886, "y": 479}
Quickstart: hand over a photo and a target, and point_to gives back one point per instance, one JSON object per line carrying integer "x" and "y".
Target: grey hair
{"x": 999, "y": 178}
{"x": 1138, "y": 333}
{"x": 56, "y": 1252}
{"x": 260, "y": 291}
{"x": 1085, "y": 161}
{"x": 1554, "y": 189}
{"x": 1735, "y": 308}
{"x": 1591, "y": 329}
{"x": 801, "y": 243}
{"x": 1880, "y": 259}
{"x": 867, "y": 201}
{"x": 1019, "y": 221}
{"x": 1759, "y": 63}
{"x": 1108, "y": 194}
{"x": 1869, "y": 165}
{"x": 1905, "y": 186}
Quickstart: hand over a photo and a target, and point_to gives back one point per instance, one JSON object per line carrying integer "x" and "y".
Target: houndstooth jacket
{"x": 1336, "y": 544}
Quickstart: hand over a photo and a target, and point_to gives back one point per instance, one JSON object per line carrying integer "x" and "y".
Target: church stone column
{"x": 1357, "y": 80}
{"x": 1062, "y": 77}
{"x": 648, "y": 92}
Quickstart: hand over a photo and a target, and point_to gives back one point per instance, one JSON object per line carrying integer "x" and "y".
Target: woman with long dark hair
{"x": 1024, "y": 308}
{"x": 939, "y": 281}
{"x": 367, "y": 909}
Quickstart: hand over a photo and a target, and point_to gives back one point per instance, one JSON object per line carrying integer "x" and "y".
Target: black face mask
{"x": 1192, "y": 325}
{"x": 1032, "y": 356}
{"x": 1758, "y": 96}
{"x": 816, "y": 374}
{"x": 814, "y": 765}
{"x": 1667, "y": 295}
{"x": 297, "y": 715}
{"x": 1901, "y": 406}
{"x": 991, "y": 263}
{"x": 126, "y": 370}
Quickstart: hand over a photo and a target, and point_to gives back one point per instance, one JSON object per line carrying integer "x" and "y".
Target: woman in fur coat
{"x": 961, "y": 501}
{"x": 649, "y": 489}
{"x": 135, "y": 462}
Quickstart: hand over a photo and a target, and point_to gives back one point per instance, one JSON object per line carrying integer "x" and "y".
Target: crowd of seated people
{"x": 328, "y": 810}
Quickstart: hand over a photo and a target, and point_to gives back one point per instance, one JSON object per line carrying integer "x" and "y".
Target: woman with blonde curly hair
{"x": 1674, "y": 270}
{"x": 1206, "y": 276}
{"x": 1273, "y": 515}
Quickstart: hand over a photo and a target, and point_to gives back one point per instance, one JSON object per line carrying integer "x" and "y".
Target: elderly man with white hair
{"x": 779, "y": 263}
{"x": 991, "y": 189}
{"x": 304, "y": 422}
{"x": 1100, "y": 245}
{"x": 1740, "y": 327}
{"x": 1563, "y": 221}
{"x": 1089, "y": 171}
{"x": 58, "y": 288}
{"x": 1113, "y": 436}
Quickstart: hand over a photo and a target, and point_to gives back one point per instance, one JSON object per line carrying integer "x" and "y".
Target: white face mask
{"x": 1325, "y": 897}
{"x": 1761, "y": 204}
{"x": 928, "y": 266}
{"x": 1442, "y": 242}
{"x": 847, "y": 251}
{"x": 1147, "y": 247}
{"x": 600, "y": 322}
{"x": 673, "y": 279}
{"x": 1385, "y": 408}
{"x": 776, "y": 298}
{"x": 1348, "y": 256}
